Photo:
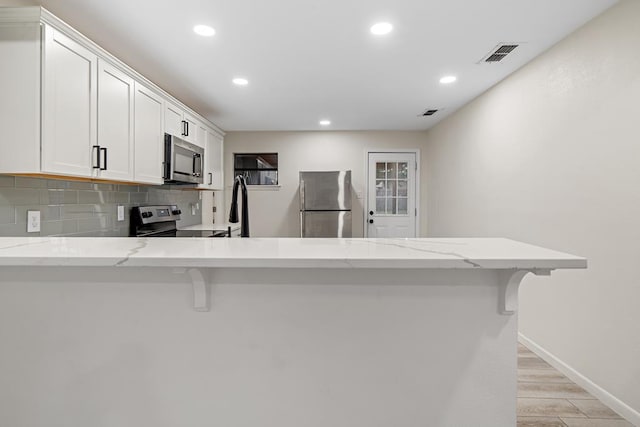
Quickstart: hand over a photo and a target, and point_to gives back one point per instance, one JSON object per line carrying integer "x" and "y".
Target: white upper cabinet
{"x": 179, "y": 123}
{"x": 20, "y": 61}
{"x": 173, "y": 123}
{"x": 69, "y": 106}
{"x": 191, "y": 133}
{"x": 149, "y": 137}
{"x": 74, "y": 110}
{"x": 115, "y": 123}
{"x": 200, "y": 135}
{"x": 213, "y": 164}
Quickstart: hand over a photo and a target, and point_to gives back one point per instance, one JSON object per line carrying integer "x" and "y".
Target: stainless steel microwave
{"x": 182, "y": 161}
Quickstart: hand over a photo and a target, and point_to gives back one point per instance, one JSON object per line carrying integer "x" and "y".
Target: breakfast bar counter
{"x": 262, "y": 332}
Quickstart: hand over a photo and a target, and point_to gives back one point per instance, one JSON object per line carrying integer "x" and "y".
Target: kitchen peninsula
{"x": 262, "y": 332}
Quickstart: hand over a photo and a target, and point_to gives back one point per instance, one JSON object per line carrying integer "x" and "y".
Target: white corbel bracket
{"x": 199, "y": 285}
{"x": 509, "y": 283}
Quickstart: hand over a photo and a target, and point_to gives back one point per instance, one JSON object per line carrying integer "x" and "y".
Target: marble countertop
{"x": 210, "y": 227}
{"x": 454, "y": 253}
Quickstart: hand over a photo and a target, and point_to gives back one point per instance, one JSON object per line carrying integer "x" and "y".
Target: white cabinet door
{"x": 201, "y": 135}
{"x": 191, "y": 130}
{"x": 69, "y": 106}
{"x": 180, "y": 124}
{"x": 173, "y": 123}
{"x": 149, "y": 136}
{"x": 115, "y": 123}
{"x": 213, "y": 165}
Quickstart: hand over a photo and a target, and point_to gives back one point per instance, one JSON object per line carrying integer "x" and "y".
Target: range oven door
{"x": 183, "y": 161}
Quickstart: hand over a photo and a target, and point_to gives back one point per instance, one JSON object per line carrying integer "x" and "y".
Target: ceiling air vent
{"x": 499, "y": 53}
{"x": 429, "y": 112}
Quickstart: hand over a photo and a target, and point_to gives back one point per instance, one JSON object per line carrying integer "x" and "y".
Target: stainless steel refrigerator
{"x": 325, "y": 204}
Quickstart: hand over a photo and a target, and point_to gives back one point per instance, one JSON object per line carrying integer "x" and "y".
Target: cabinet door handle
{"x": 210, "y": 178}
{"x": 104, "y": 168}
{"x": 187, "y": 123}
{"x": 96, "y": 149}
{"x": 184, "y": 128}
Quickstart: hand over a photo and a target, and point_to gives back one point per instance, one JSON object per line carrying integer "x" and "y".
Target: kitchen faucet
{"x": 233, "y": 215}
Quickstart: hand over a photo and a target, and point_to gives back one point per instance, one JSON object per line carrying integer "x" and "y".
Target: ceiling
{"x": 311, "y": 60}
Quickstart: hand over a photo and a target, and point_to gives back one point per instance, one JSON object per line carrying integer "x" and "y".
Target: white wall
{"x": 275, "y": 213}
{"x": 551, "y": 156}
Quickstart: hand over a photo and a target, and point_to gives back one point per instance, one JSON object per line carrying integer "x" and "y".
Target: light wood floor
{"x": 546, "y": 398}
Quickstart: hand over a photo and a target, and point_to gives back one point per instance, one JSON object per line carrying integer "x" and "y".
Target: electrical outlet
{"x": 33, "y": 221}
{"x": 120, "y": 213}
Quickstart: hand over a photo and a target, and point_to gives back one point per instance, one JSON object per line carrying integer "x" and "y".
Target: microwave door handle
{"x": 199, "y": 165}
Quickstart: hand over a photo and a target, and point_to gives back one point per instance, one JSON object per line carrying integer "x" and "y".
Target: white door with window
{"x": 391, "y": 195}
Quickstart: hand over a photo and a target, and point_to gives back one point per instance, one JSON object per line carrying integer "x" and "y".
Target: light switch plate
{"x": 120, "y": 213}
{"x": 33, "y": 221}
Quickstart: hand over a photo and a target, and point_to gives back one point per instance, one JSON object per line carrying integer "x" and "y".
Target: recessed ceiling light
{"x": 240, "y": 81}
{"x": 448, "y": 79}
{"x": 204, "y": 30}
{"x": 325, "y": 122}
{"x": 381, "y": 28}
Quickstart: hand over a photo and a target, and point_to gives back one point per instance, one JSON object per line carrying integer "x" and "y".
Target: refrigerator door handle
{"x": 302, "y": 205}
{"x": 302, "y": 221}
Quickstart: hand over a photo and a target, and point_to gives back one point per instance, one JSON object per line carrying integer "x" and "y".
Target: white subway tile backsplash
{"x": 59, "y": 228}
{"x": 26, "y": 182}
{"x": 19, "y": 196}
{"x": 138, "y": 198}
{"x": 70, "y": 208}
{"x": 7, "y": 181}
{"x": 7, "y": 215}
{"x": 58, "y": 197}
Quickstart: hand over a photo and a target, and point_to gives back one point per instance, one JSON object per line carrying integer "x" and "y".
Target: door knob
{"x": 370, "y": 221}
{"x": 370, "y": 212}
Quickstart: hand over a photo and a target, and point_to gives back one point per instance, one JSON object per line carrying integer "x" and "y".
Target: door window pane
{"x": 402, "y": 206}
{"x": 391, "y": 188}
{"x": 391, "y": 205}
{"x": 402, "y": 188}
{"x": 391, "y": 170}
{"x": 403, "y": 170}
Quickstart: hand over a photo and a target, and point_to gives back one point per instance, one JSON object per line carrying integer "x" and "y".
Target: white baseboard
{"x": 603, "y": 395}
